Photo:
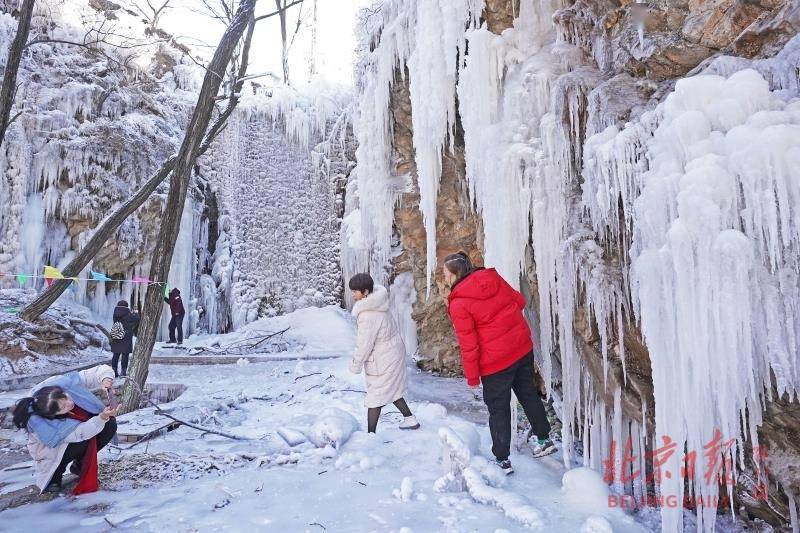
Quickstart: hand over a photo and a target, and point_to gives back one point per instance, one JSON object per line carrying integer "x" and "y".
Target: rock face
{"x": 628, "y": 57}
{"x": 457, "y": 228}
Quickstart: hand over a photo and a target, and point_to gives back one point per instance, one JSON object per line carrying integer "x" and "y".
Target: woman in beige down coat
{"x": 379, "y": 351}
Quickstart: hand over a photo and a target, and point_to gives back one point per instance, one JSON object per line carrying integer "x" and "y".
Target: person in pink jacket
{"x": 380, "y": 352}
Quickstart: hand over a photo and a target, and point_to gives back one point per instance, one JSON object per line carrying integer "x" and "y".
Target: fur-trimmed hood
{"x": 378, "y": 300}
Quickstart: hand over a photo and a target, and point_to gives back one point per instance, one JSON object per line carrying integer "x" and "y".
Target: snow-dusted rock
{"x": 333, "y": 427}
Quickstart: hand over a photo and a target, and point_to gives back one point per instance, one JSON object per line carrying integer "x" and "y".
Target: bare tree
{"x": 151, "y": 10}
{"x": 281, "y": 8}
{"x": 179, "y": 185}
{"x": 221, "y": 10}
{"x": 9, "y": 88}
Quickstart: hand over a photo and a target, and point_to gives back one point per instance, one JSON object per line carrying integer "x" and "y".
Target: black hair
{"x": 44, "y": 403}
{"x": 362, "y": 282}
{"x": 122, "y": 303}
{"x": 459, "y": 264}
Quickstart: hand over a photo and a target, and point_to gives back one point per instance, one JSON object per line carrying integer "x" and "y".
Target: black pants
{"x": 497, "y": 396}
{"x": 76, "y": 450}
{"x": 115, "y": 359}
{"x": 176, "y": 323}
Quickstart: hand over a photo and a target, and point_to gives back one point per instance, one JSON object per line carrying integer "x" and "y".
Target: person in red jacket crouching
{"x": 496, "y": 349}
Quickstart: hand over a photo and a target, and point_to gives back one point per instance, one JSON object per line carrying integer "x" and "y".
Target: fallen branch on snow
{"x": 307, "y": 376}
{"x": 238, "y": 345}
{"x": 163, "y": 413}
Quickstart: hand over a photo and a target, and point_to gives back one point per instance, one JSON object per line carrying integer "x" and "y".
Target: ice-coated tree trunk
{"x": 109, "y": 226}
{"x": 9, "y": 88}
{"x": 179, "y": 184}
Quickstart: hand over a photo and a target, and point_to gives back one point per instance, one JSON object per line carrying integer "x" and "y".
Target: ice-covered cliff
{"x": 92, "y": 126}
{"x": 259, "y": 231}
{"x": 632, "y": 167}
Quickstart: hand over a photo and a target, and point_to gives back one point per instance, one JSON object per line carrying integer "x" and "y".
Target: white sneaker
{"x": 409, "y": 422}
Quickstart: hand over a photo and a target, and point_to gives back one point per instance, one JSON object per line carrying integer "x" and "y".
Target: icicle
{"x": 702, "y": 282}
{"x": 438, "y": 41}
{"x": 403, "y": 294}
{"x": 640, "y": 25}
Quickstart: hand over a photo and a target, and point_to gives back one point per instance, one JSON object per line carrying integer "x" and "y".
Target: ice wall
{"x": 680, "y": 221}
{"x": 273, "y": 178}
{"x": 90, "y": 132}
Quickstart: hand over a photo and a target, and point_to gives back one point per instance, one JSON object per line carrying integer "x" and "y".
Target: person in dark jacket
{"x": 496, "y": 349}
{"x": 122, "y": 348}
{"x": 177, "y": 311}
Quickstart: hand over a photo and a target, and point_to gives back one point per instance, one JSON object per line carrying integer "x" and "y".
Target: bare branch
{"x": 163, "y": 413}
{"x": 278, "y": 11}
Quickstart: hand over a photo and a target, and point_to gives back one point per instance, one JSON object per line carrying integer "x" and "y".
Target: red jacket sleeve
{"x": 468, "y": 341}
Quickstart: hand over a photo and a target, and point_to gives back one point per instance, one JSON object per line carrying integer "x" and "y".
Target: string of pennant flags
{"x": 51, "y": 274}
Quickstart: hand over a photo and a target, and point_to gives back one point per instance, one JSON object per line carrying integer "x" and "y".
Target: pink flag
{"x": 139, "y": 279}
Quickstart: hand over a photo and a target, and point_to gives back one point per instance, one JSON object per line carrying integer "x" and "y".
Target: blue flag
{"x": 97, "y": 276}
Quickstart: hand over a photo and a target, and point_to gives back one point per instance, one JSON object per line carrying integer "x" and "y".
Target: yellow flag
{"x": 52, "y": 273}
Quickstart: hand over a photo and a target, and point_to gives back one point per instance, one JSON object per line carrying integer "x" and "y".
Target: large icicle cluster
{"x": 372, "y": 190}
{"x": 427, "y": 38}
{"x": 439, "y": 46}
{"x": 714, "y": 257}
{"x": 88, "y": 135}
{"x": 683, "y": 221}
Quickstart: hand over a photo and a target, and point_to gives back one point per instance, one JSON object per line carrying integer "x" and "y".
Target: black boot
{"x": 54, "y": 485}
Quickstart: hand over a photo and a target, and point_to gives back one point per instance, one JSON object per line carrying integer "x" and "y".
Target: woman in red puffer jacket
{"x": 496, "y": 349}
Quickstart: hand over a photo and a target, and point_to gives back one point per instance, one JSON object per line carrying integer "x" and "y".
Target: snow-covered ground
{"x": 305, "y": 462}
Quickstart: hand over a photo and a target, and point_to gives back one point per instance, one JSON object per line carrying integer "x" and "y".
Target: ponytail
{"x": 23, "y": 412}
{"x": 44, "y": 403}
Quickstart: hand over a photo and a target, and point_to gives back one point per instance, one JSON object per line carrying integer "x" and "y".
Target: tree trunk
{"x": 109, "y": 226}
{"x": 281, "y": 6}
{"x": 9, "y": 88}
{"x": 179, "y": 184}
{"x": 312, "y": 62}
